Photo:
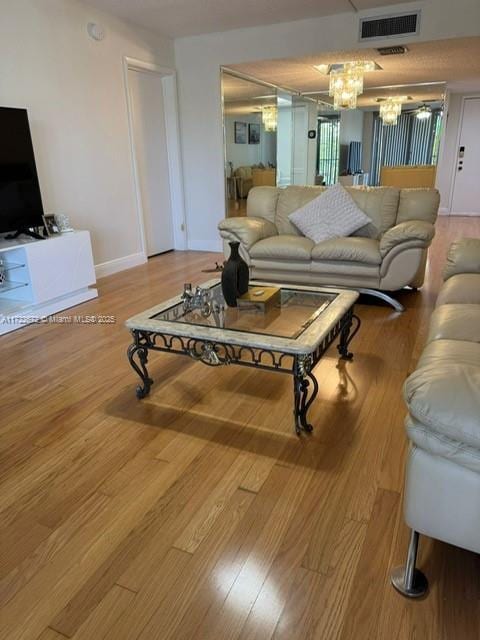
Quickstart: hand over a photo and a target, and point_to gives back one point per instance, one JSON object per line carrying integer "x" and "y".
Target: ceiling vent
{"x": 392, "y": 51}
{"x": 403, "y": 24}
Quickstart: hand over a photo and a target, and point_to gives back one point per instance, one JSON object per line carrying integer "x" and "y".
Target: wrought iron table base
{"x": 347, "y": 335}
{"x": 135, "y": 349}
{"x": 302, "y": 401}
{"x": 305, "y": 385}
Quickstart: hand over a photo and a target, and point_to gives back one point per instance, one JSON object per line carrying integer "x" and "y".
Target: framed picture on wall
{"x": 254, "y": 133}
{"x": 240, "y": 133}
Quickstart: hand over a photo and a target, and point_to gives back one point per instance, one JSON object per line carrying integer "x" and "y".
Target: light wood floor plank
{"x": 110, "y": 609}
{"x": 372, "y": 570}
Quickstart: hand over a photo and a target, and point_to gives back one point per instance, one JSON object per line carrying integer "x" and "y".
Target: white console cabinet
{"x": 44, "y": 277}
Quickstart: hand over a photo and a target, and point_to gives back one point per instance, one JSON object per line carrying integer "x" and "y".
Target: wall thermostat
{"x": 95, "y": 31}
{"x": 312, "y": 134}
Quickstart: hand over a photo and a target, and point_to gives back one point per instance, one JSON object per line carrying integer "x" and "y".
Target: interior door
{"x": 466, "y": 192}
{"x": 148, "y": 115}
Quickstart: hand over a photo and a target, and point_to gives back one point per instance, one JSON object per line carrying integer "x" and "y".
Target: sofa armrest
{"x": 411, "y": 230}
{"x": 246, "y": 230}
{"x": 463, "y": 257}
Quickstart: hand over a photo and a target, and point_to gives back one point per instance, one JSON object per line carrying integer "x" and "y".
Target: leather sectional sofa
{"x": 442, "y": 492}
{"x": 386, "y": 255}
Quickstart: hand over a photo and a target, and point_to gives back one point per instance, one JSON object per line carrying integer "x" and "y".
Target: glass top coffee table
{"x": 290, "y": 336}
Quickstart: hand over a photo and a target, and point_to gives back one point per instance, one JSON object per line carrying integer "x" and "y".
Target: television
{"x": 20, "y": 198}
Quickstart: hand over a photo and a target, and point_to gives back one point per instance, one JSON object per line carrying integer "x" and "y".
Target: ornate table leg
{"x": 347, "y": 335}
{"x": 141, "y": 351}
{"x": 302, "y": 376}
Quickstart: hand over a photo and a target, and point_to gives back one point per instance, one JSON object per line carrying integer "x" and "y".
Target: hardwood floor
{"x": 197, "y": 514}
{"x": 235, "y": 209}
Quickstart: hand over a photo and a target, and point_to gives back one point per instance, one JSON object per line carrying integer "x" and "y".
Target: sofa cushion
{"x": 445, "y": 397}
{"x": 440, "y": 445}
{"x": 463, "y": 257}
{"x": 439, "y": 352}
{"x": 463, "y": 288}
{"x": 333, "y": 214}
{"x": 455, "y": 322}
{"x": 283, "y": 247}
{"x": 380, "y": 204}
{"x": 247, "y": 230}
{"x": 421, "y": 233}
{"x": 348, "y": 249}
{"x": 262, "y": 202}
{"x": 418, "y": 204}
{"x": 289, "y": 200}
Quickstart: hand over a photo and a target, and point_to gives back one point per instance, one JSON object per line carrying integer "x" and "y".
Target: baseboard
{"x": 119, "y": 264}
{"x": 466, "y": 214}
{"x": 444, "y": 211}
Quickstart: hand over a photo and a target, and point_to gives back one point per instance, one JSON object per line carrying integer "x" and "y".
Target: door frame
{"x": 168, "y": 78}
{"x": 457, "y": 145}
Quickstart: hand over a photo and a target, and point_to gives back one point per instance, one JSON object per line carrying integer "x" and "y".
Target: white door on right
{"x": 466, "y": 191}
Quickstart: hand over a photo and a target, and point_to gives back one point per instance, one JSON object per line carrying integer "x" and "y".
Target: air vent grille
{"x": 390, "y": 26}
{"x": 392, "y": 51}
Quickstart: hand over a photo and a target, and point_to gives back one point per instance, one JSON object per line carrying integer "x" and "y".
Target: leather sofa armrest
{"x": 411, "y": 230}
{"x": 246, "y": 230}
{"x": 463, "y": 257}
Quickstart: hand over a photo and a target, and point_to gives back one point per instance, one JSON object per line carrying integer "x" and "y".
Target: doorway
{"x": 149, "y": 133}
{"x": 466, "y": 190}
{"x": 151, "y": 94}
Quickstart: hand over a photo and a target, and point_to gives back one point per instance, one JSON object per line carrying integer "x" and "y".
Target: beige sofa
{"x": 386, "y": 255}
{"x": 442, "y": 487}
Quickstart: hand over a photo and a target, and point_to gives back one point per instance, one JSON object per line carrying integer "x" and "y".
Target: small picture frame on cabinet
{"x": 50, "y": 225}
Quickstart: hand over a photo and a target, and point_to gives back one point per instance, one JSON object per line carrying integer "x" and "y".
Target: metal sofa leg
{"x": 383, "y": 296}
{"x": 409, "y": 580}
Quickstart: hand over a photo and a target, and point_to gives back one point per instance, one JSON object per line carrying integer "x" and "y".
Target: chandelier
{"x": 391, "y": 108}
{"x": 424, "y": 112}
{"x": 344, "y": 88}
{"x": 346, "y": 83}
{"x": 269, "y": 118}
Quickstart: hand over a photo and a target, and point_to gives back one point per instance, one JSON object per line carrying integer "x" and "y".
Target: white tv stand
{"x": 44, "y": 277}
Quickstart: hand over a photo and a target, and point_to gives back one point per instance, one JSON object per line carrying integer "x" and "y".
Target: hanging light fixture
{"x": 346, "y": 82}
{"x": 424, "y": 112}
{"x": 344, "y": 88}
{"x": 269, "y": 118}
{"x": 391, "y": 108}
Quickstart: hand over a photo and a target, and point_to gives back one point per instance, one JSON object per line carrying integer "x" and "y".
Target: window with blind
{"x": 328, "y": 148}
{"x": 410, "y": 142}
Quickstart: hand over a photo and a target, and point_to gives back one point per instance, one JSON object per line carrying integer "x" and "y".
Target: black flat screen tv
{"x": 20, "y": 198}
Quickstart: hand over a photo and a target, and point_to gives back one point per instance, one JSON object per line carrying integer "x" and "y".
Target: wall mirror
{"x": 280, "y": 137}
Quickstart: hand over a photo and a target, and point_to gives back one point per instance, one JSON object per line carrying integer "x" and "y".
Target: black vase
{"x": 235, "y": 276}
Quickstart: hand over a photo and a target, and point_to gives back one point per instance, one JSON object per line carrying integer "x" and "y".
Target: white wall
{"x": 73, "y": 88}
{"x": 351, "y": 126}
{"x": 198, "y": 61}
{"x": 300, "y": 144}
{"x": 285, "y": 141}
{"x": 448, "y": 150}
{"x": 312, "y": 143}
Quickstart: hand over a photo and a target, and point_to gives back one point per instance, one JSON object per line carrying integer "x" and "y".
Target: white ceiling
{"x": 177, "y": 18}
